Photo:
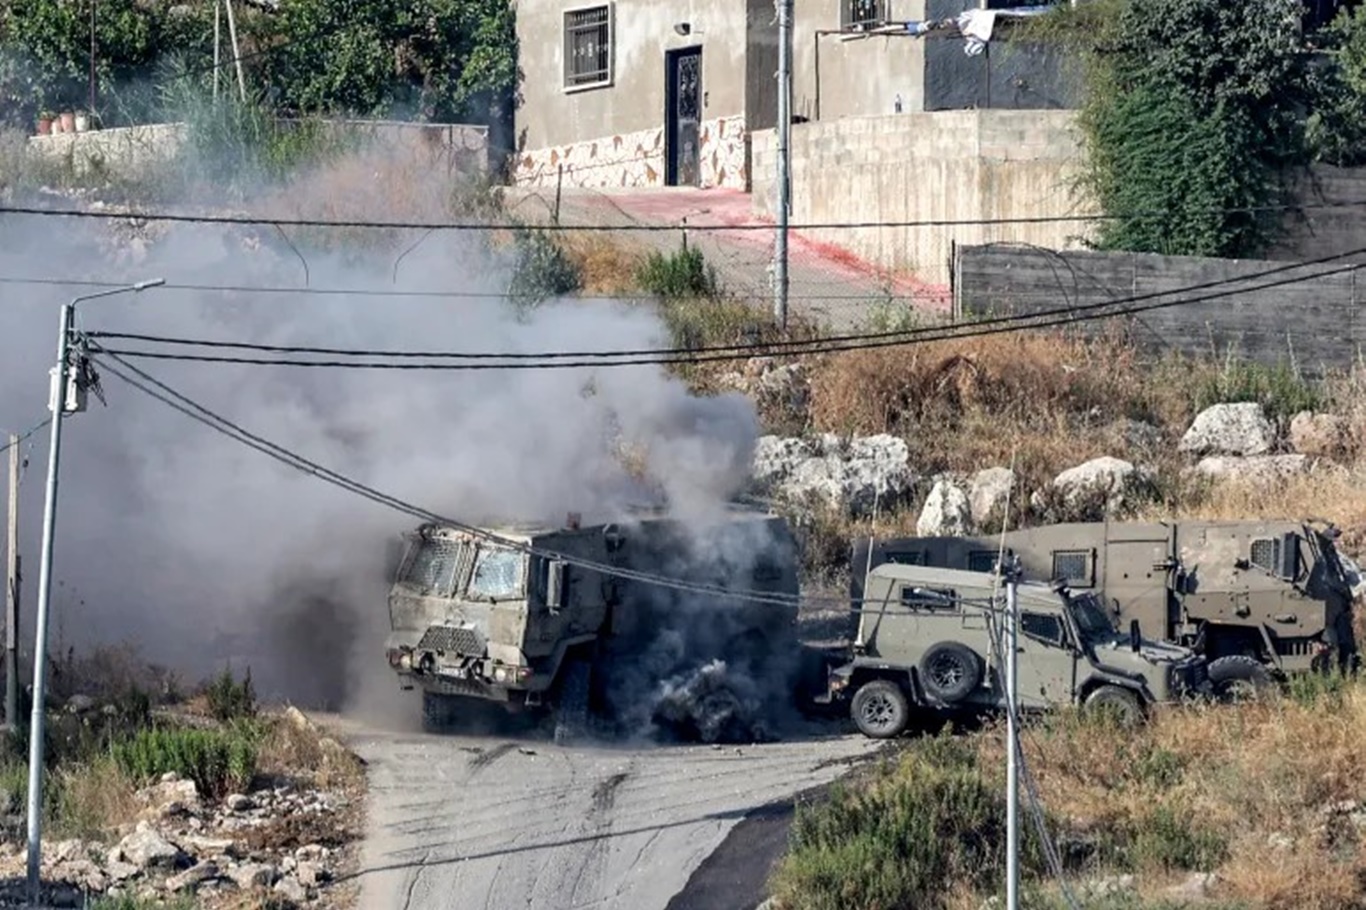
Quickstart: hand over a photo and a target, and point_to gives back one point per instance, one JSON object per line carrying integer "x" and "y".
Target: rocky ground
{"x": 281, "y": 844}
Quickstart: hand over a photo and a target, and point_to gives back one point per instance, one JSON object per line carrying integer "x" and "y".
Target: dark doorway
{"x": 683, "y": 116}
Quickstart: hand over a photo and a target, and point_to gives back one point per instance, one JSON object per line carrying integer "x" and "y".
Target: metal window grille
{"x": 1072, "y": 566}
{"x": 587, "y": 47}
{"x": 938, "y": 601}
{"x": 1266, "y": 554}
{"x": 862, "y": 13}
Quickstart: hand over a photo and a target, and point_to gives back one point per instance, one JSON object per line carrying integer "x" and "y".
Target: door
{"x": 683, "y": 116}
{"x": 1045, "y": 664}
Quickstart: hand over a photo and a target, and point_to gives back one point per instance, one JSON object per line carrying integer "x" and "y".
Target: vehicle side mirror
{"x": 554, "y": 586}
{"x": 1135, "y": 636}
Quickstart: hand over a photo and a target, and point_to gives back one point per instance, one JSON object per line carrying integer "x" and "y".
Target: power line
{"x": 645, "y": 228}
{"x": 815, "y": 345}
{"x": 195, "y": 411}
{"x": 26, "y": 434}
{"x": 1022, "y": 322}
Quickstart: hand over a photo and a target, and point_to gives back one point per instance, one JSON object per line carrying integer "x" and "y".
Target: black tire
{"x": 880, "y": 709}
{"x": 571, "y": 708}
{"x": 1238, "y": 677}
{"x": 950, "y": 672}
{"x": 1116, "y": 701}
{"x": 439, "y": 711}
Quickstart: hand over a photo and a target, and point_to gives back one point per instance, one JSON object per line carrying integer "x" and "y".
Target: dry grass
{"x": 294, "y": 747}
{"x": 93, "y": 798}
{"x": 607, "y": 266}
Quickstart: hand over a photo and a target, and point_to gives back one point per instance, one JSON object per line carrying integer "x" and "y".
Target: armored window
{"x": 1072, "y": 567}
{"x": 1280, "y": 556}
{"x": 929, "y": 600}
{"x": 433, "y": 567}
{"x": 856, "y": 14}
{"x": 906, "y": 557}
{"x": 1043, "y": 626}
{"x": 982, "y": 560}
{"x": 588, "y": 47}
{"x": 497, "y": 573}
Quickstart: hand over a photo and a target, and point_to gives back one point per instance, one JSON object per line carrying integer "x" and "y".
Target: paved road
{"x": 501, "y": 822}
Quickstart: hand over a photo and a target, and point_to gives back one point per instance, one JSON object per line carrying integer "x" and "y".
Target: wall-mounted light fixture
{"x": 683, "y": 28}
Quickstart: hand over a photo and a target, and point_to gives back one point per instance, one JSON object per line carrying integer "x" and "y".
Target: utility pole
{"x": 217, "y": 44}
{"x": 93, "y": 4}
{"x": 1012, "y": 626}
{"x": 67, "y": 395}
{"x": 12, "y": 592}
{"x": 236, "y": 51}
{"x": 783, "y": 188}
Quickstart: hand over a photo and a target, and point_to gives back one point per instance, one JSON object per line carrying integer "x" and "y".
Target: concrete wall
{"x": 858, "y": 76}
{"x": 1313, "y": 322}
{"x": 1334, "y": 219}
{"x": 916, "y": 167}
{"x": 613, "y": 135}
{"x": 137, "y": 151}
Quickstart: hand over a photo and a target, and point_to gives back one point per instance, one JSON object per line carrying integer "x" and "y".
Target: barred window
{"x": 982, "y": 561}
{"x": 1072, "y": 567}
{"x": 498, "y": 573}
{"x": 929, "y": 600}
{"x": 862, "y": 13}
{"x": 588, "y": 47}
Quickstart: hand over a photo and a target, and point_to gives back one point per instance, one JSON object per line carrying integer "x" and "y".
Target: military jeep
{"x": 929, "y": 638}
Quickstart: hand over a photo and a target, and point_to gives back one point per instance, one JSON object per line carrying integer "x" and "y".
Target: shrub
{"x": 1280, "y": 390}
{"x": 540, "y": 270}
{"x": 681, "y": 274}
{"x": 1169, "y": 839}
{"x": 218, "y": 761}
{"x": 228, "y": 699}
{"x": 935, "y": 821}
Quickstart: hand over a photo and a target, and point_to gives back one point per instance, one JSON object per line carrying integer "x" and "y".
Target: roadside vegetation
{"x": 1252, "y": 805}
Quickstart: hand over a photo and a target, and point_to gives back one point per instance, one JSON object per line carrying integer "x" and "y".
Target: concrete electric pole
{"x": 1012, "y": 644}
{"x": 12, "y": 592}
{"x": 66, "y": 396}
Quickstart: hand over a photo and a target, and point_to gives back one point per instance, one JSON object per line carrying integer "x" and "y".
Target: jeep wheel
{"x": 439, "y": 711}
{"x": 571, "y": 709}
{"x": 1117, "y": 702}
{"x": 950, "y": 671}
{"x": 1238, "y": 678}
{"x": 880, "y": 709}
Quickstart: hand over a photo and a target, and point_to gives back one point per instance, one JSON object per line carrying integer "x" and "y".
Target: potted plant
{"x": 45, "y": 119}
{"x": 68, "y": 119}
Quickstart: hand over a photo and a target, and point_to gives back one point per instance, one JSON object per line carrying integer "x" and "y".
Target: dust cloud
{"x": 205, "y": 553}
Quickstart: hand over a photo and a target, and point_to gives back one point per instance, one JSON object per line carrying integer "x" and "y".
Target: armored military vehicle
{"x": 1260, "y": 599}
{"x": 565, "y": 619}
{"x": 929, "y": 639}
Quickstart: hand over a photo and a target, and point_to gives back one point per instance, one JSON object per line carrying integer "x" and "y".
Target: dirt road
{"x": 495, "y": 823}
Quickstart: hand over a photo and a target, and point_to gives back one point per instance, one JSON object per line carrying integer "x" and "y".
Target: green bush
{"x": 1279, "y": 390}
{"x": 218, "y": 761}
{"x": 1170, "y": 840}
{"x": 684, "y": 273}
{"x": 229, "y": 699}
{"x": 540, "y": 269}
{"x": 901, "y": 840}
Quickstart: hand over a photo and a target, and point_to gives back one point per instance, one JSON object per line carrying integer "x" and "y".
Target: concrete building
{"x": 643, "y": 93}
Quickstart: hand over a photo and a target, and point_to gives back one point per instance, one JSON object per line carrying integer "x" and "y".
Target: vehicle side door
{"x": 1046, "y": 661}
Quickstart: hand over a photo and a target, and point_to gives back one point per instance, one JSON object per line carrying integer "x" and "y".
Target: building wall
{"x": 857, "y": 77}
{"x": 920, "y": 166}
{"x": 613, "y": 135}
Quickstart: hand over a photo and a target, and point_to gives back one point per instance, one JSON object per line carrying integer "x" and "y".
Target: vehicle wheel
{"x": 1239, "y": 677}
{"x": 571, "y": 709}
{"x": 880, "y": 709}
{"x": 950, "y": 671}
{"x": 1118, "y": 702}
{"x": 438, "y": 711}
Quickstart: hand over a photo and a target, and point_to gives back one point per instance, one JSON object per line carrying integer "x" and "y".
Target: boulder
{"x": 290, "y": 889}
{"x": 237, "y": 802}
{"x": 170, "y": 798}
{"x": 144, "y": 848}
{"x": 946, "y": 512}
{"x": 853, "y": 474}
{"x": 192, "y": 877}
{"x": 1114, "y": 478}
{"x": 1258, "y": 469}
{"x": 1322, "y": 435}
{"x": 1230, "y": 429}
{"x": 783, "y": 389}
{"x": 250, "y": 876}
{"x": 988, "y": 492}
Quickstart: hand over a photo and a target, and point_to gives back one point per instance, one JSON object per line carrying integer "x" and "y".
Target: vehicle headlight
{"x": 501, "y": 674}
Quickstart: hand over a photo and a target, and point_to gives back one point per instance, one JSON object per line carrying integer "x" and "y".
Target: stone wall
{"x": 636, "y": 160}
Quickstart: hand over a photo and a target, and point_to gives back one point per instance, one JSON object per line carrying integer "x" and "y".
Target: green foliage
{"x": 901, "y": 840}
{"x": 218, "y": 761}
{"x": 414, "y": 59}
{"x": 684, "y": 273}
{"x": 1337, "y": 125}
{"x": 130, "y": 902}
{"x": 1280, "y": 390}
{"x": 1172, "y": 840}
{"x": 1193, "y": 120}
{"x": 229, "y": 699}
{"x": 540, "y": 269}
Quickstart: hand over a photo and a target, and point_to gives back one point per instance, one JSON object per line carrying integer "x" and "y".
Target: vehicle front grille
{"x": 452, "y": 640}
